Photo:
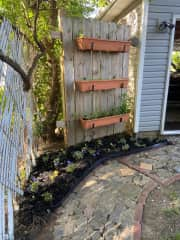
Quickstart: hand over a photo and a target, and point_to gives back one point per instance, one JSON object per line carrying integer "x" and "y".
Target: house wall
{"x": 156, "y": 64}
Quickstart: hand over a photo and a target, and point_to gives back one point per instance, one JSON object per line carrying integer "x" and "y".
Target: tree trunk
{"x": 54, "y": 98}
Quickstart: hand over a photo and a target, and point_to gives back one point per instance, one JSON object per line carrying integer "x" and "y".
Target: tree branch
{"x": 39, "y": 44}
{"x": 14, "y": 65}
{"x": 34, "y": 64}
{"x": 26, "y": 77}
{"x": 28, "y": 23}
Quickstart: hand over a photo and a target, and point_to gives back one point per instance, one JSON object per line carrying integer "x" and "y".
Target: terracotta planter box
{"x": 94, "y": 44}
{"x": 97, "y": 85}
{"x": 105, "y": 121}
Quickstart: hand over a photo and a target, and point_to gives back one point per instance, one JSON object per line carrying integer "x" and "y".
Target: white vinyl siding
{"x": 156, "y": 64}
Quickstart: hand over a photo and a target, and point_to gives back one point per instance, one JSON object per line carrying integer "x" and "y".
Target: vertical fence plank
{"x": 79, "y": 62}
{"x": 105, "y": 60}
{"x": 96, "y": 74}
{"x": 68, "y": 70}
{"x": 120, "y": 63}
{"x": 113, "y": 72}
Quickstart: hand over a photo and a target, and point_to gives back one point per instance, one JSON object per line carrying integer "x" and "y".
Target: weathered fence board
{"x": 90, "y": 65}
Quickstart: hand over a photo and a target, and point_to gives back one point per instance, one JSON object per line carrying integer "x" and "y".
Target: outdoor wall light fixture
{"x": 163, "y": 26}
{"x": 135, "y": 42}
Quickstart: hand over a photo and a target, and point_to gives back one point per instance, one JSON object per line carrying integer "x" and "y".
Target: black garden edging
{"x": 28, "y": 210}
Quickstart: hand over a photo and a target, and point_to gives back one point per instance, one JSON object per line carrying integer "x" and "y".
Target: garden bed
{"x": 58, "y": 173}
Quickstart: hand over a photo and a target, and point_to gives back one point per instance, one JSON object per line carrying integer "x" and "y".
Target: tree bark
{"x": 54, "y": 98}
{"x": 53, "y": 102}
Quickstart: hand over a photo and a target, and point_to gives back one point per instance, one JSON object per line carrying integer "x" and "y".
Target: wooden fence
{"x": 90, "y": 65}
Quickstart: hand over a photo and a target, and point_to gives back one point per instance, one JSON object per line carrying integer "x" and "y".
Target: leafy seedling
{"x": 125, "y": 147}
{"x": 34, "y": 187}
{"x": 78, "y": 155}
{"x": 71, "y": 167}
{"x": 47, "y": 197}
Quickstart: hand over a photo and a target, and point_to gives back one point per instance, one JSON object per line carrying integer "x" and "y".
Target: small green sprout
{"x": 47, "y": 196}
{"x": 71, "y": 167}
{"x": 125, "y": 147}
{"x": 34, "y": 187}
{"x": 78, "y": 155}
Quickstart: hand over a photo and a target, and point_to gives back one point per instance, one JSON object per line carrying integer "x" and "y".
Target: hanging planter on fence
{"x": 95, "y": 44}
{"x": 105, "y": 121}
{"x": 97, "y": 85}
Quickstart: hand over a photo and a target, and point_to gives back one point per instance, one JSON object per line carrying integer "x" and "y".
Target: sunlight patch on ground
{"x": 107, "y": 175}
{"x": 89, "y": 183}
{"x": 127, "y": 232}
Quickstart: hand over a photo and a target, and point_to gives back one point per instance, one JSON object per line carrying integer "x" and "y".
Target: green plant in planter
{"x": 123, "y": 108}
{"x": 34, "y": 187}
{"x": 80, "y": 35}
{"x": 176, "y": 60}
{"x": 125, "y": 103}
{"x": 47, "y": 197}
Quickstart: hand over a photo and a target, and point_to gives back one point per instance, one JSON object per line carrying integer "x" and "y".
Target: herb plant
{"x": 123, "y": 108}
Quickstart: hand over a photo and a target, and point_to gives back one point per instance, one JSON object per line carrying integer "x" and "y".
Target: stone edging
{"x": 142, "y": 200}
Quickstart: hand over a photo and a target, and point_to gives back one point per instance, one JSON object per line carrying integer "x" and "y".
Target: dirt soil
{"x": 161, "y": 218}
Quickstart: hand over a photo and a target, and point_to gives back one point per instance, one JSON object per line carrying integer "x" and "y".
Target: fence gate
{"x": 91, "y": 65}
{"x": 15, "y": 125}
